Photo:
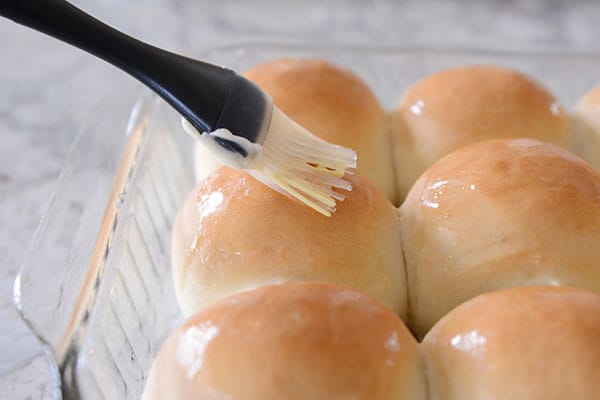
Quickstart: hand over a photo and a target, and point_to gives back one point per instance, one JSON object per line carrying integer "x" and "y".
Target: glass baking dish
{"x": 96, "y": 285}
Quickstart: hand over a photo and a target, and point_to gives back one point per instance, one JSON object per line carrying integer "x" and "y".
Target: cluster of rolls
{"x": 464, "y": 264}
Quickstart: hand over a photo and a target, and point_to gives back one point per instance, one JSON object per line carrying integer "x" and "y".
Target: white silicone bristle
{"x": 304, "y": 166}
{"x": 290, "y": 160}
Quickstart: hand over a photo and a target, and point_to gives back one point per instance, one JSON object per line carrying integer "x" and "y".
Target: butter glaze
{"x": 191, "y": 347}
{"x": 472, "y": 342}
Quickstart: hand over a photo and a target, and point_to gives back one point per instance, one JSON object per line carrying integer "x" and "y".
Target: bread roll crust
{"x": 460, "y": 106}
{"x": 336, "y": 105}
{"x": 290, "y": 341}
{"x": 524, "y": 343}
{"x": 233, "y": 234}
{"x": 499, "y": 214}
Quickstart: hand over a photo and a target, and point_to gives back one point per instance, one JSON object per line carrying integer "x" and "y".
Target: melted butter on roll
{"x": 234, "y": 234}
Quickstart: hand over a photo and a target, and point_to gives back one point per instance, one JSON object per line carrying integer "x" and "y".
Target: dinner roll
{"x": 336, "y": 105}
{"x": 290, "y": 341}
{"x": 499, "y": 214}
{"x": 459, "y": 106}
{"x": 526, "y": 343}
{"x": 233, "y": 233}
{"x": 585, "y": 123}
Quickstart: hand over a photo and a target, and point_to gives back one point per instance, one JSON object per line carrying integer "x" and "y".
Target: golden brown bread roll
{"x": 499, "y": 214}
{"x": 336, "y": 105}
{"x": 290, "y": 341}
{"x": 526, "y": 343}
{"x": 585, "y": 124}
{"x": 459, "y": 106}
{"x": 233, "y": 233}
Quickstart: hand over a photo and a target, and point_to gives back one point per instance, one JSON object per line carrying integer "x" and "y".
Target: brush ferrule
{"x": 247, "y": 110}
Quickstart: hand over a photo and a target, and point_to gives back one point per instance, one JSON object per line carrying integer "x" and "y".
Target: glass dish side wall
{"x": 138, "y": 308}
{"x": 86, "y": 281}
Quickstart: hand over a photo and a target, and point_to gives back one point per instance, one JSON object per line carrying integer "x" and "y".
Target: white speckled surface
{"x": 47, "y": 89}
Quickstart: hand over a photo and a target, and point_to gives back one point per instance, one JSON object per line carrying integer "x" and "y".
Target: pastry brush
{"x": 226, "y": 111}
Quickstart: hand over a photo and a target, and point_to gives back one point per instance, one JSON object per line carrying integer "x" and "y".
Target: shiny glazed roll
{"x": 233, "y": 233}
{"x": 526, "y": 343}
{"x": 334, "y": 104}
{"x": 460, "y": 106}
{"x": 499, "y": 214}
{"x": 585, "y": 123}
{"x": 290, "y": 341}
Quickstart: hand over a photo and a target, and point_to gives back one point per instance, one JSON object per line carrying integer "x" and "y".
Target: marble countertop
{"x": 47, "y": 89}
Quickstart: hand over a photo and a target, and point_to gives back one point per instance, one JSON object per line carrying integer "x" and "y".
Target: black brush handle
{"x": 197, "y": 90}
